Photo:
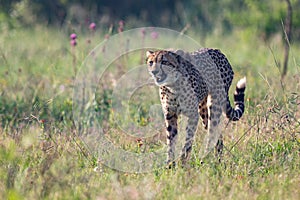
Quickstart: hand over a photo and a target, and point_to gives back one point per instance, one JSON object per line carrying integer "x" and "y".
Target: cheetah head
{"x": 163, "y": 67}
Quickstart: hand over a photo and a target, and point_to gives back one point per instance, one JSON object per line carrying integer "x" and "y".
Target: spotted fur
{"x": 196, "y": 85}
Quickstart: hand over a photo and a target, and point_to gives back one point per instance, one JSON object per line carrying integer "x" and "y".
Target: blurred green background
{"x": 264, "y": 17}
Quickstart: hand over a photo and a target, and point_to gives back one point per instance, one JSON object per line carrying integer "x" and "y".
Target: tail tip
{"x": 241, "y": 83}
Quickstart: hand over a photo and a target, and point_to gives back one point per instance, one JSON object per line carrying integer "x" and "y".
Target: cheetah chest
{"x": 185, "y": 96}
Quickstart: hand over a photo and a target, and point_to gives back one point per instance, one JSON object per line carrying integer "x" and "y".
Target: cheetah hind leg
{"x": 219, "y": 148}
{"x": 214, "y": 136}
{"x": 203, "y": 113}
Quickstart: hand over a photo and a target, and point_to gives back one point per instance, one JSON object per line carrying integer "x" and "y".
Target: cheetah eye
{"x": 150, "y": 63}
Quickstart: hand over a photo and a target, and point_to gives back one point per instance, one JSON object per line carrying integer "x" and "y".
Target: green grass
{"x": 42, "y": 157}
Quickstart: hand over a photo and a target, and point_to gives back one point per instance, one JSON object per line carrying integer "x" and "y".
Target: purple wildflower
{"x": 73, "y": 43}
{"x": 121, "y": 23}
{"x": 154, "y": 35}
{"x": 92, "y": 26}
{"x": 73, "y": 36}
{"x": 143, "y": 31}
{"x": 121, "y": 26}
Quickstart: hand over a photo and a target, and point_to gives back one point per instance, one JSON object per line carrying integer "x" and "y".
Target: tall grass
{"x": 41, "y": 155}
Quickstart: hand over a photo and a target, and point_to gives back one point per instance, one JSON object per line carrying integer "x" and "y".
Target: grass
{"x": 42, "y": 156}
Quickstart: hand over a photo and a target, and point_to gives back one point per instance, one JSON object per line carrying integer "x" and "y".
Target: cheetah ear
{"x": 149, "y": 53}
{"x": 179, "y": 52}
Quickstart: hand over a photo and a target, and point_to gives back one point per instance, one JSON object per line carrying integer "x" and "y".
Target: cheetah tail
{"x": 236, "y": 113}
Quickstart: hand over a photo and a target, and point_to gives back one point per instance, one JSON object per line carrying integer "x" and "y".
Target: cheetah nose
{"x": 155, "y": 72}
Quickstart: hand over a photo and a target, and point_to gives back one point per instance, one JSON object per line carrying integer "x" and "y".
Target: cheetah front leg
{"x": 171, "y": 126}
{"x": 190, "y": 132}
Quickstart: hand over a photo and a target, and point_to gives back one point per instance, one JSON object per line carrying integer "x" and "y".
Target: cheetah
{"x": 195, "y": 85}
